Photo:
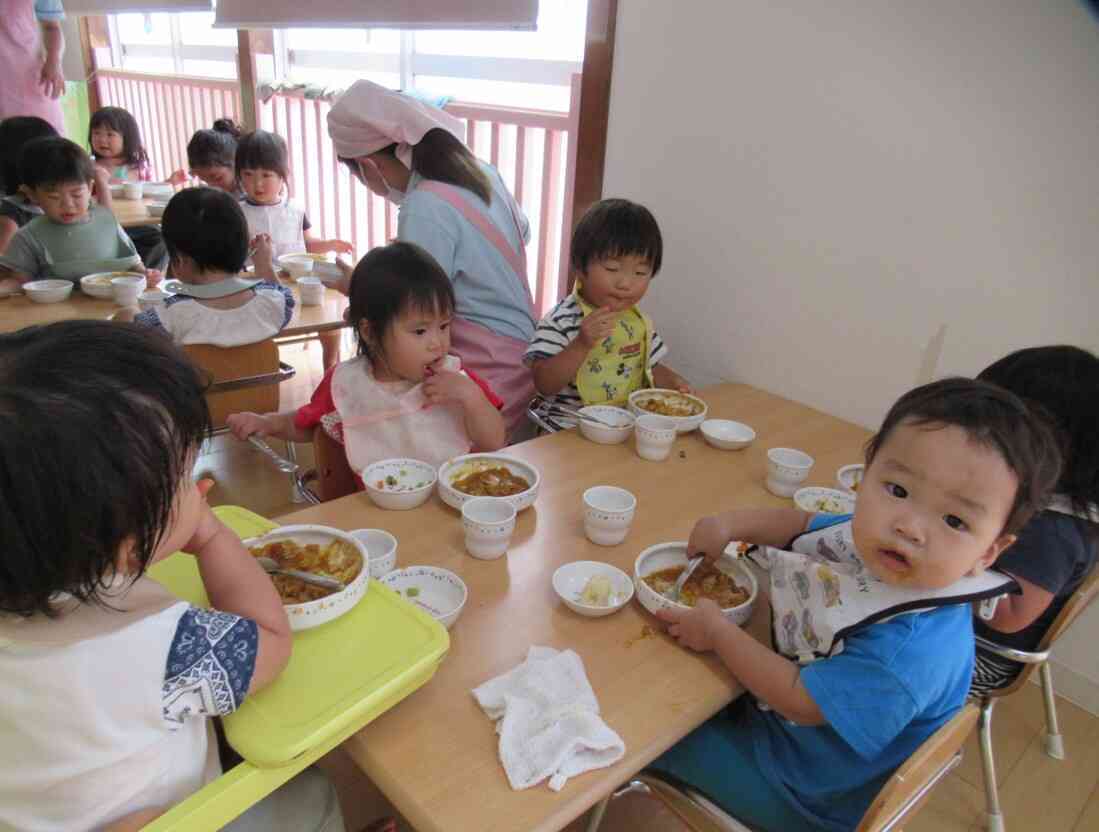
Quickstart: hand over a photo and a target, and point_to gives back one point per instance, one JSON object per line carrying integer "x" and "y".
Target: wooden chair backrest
{"x": 918, "y": 770}
{"x": 231, "y": 363}
{"x": 1076, "y": 604}
{"x": 335, "y": 478}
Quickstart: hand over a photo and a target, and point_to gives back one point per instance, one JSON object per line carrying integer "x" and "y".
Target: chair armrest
{"x": 1010, "y": 653}
{"x": 284, "y": 372}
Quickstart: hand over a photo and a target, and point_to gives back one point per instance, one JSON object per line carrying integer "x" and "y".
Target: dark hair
{"x": 613, "y": 228}
{"x": 207, "y": 225}
{"x": 54, "y": 161}
{"x": 993, "y": 418}
{"x": 390, "y": 280}
{"x": 441, "y": 156}
{"x": 14, "y": 133}
{"x": 216, "y": 145}
{"x": 1064, "y": 382}
{"x": 99, "y": 422}
{"x": 262, "y": 149}
{"x": 119, "y": 120}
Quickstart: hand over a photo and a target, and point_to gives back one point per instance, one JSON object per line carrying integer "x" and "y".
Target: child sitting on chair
{"x": 107, "y": 681}
{"x": 871, "y": 615}
{"x": 76, "y": 236}
{"x": 405, "y": 395}
{"x": 207, "y": 240}
{"x": 596, "y": 346}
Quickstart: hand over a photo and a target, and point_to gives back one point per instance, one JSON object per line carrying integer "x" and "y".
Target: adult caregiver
{"x": 31, "y": 80}
{"x": 459, "y": 209}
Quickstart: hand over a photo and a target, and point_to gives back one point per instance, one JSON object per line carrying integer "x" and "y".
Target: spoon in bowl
{"x": 674, "y": 593}
{"x": 272, "y": 568}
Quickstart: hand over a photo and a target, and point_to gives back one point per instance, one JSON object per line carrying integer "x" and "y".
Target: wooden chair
{"x": 1031, "y": 661}
{"x": 901, "y": 796}
{"x": 335, "y": 478}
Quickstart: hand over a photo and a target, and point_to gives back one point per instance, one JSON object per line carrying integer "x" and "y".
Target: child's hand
{"x": 694, "y": 628}
{"x": 153, "y": 277}
{"x": 243, "y": 425}
{"x": 442, "y": 386}
{"x": 10, "y": 286}
{"x": 598, "y": 325}
{"x": 263, "y": 253}
{"x": 101, "y": 184}
{"x": 340, "y": 247}
{"x": 709, "y": 537}
{"x": 178, "y": 177}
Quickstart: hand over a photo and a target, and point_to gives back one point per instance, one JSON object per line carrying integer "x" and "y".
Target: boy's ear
{"x": 992, "y": 553}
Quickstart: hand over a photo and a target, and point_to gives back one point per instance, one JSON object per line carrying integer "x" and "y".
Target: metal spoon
{"x": 272, "y": 568}
{"x": 561, "y": 409}
{"x": 692, "y": 564}
{"x": 283, "y": 464}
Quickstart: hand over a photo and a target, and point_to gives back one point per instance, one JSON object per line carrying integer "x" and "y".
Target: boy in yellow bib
{"x": 596, "y": 346}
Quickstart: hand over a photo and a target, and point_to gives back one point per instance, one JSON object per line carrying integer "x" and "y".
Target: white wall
{"x": 835, "y": 181}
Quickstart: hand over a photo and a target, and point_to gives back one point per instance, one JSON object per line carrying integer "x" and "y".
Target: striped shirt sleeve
{"x": 555, "y": 331}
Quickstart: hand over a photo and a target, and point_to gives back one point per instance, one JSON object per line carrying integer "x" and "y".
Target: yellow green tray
{"x": 341, "y": 676}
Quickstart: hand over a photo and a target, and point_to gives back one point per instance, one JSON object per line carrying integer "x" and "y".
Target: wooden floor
{"x": 1036, "y": 791}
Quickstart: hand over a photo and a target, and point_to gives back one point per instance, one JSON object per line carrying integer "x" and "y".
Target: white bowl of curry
{"x": 488, "y": 475}
{"x": 727, "y": 581}
{"x": 688, "y": 411}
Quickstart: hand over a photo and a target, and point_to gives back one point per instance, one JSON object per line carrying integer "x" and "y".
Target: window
{"x": 177, "y": 44}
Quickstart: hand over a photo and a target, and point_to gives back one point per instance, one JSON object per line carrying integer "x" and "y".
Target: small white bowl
{"x": 727, "y": 434}
{"x": 608, "y": 514}
{"x": 48, "y": 291}
{"x": 604, "y": 434}
{"x": 489, "y": 523}
{"x": 159, "y": 191}
{"x": 133, "y": 190}
{"x": 452, "y": 470}
{"x": 127, "y": 289}
{"x": 850, "y": 476}
{"x": 667, "y": 555}
{"x": 314, "y": 613}
{"x": 98, "y": 285}
{"x": 654, "y": 436}
{"x": 824, "y": 500}
{"x": 569, "y": 582}
{"x": 156, "y": 209}
{"x": 399, "y": 484}
{"x": 438, "y": 591}
{"x": 381, "y": 548}
{"x": 300, "y": 264}
{"x": 684, "y": 424}
{"x": 787, "y": 469}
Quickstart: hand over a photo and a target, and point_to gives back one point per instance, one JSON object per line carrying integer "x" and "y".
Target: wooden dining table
{"x": 132, "y": 212}
{"x": 19, "y": 311}
{"x": 435, "y": 754}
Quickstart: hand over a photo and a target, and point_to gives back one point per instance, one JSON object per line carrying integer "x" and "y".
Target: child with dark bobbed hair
{"x": 211, "y": 156}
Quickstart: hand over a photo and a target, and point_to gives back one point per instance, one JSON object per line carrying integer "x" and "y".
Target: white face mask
{"x": 392, "y": 194}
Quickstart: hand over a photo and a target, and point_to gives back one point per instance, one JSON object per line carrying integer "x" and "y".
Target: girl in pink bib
{"x": 404, "y": 395}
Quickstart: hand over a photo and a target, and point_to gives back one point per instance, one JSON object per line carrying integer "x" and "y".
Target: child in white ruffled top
{"x": 404, "y": 395}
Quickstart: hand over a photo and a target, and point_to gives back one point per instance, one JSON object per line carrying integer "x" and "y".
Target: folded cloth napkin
{"x": 549, "y": 723}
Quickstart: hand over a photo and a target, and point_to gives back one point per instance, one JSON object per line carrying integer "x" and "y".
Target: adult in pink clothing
{"x": 31, "y": 44}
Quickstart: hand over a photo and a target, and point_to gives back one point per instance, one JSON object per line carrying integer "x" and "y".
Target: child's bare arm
{"x": 483, "y": 421}
{"x": 669, "y": 379}
{"x": 553, "y": 374}
{"x": 317, "y": 246}
{"x": 767, "y": 675}
{"x": 7, "y": 231}
{"x": 236, "y": 583}
{"x": 19, "y": 277}
{"x": 1014, "y": 612}
{"x": 762, "y": 526}
{"x": 280, "y": 425}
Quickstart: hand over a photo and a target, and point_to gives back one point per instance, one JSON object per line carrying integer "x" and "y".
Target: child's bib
{"x": 284, "y": 222}
{"x": 822, "y": 592}
{"x": 619, "y": 364}
{"x": 73, "y": 251}
{"x": 394, "y": 419}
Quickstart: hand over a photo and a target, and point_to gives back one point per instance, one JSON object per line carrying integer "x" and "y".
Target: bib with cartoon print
{"x": 619, "y": 364}
{"x": 822, "y": 592}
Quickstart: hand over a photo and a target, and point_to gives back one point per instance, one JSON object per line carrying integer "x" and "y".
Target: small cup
{"x": 655, "y": 436}
{"x": 787, "y": 469}
{"x": 312, "y": 291}
{"x": 126, "y": 290}
{"x": 489, "y": 522}
{"x": 132, "y": 190}
{"x": 608, "y": 513}
{"x": 151, "y": 298}
{"x": 381, "y": 548}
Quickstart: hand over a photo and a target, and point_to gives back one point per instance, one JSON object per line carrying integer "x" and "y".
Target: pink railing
{"x": 534, "y": 151}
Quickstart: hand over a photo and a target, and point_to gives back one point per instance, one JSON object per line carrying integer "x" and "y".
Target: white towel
{"x": 549, "y": 723}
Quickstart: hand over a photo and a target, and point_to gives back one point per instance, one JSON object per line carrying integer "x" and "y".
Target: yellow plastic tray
{"x": 341, "y": 676}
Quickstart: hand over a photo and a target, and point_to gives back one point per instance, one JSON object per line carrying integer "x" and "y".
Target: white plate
{"x": 849, "y": 476}
{"x": 824, "y": 500}
{"x": 569, "y": 582}
{"x": 451, "y": 470}
{"x": 405, "y": 483}
{"x": 438, "y": 591}
{"x": 667, "y": 555}
{"x": 314, "y": 613}
{"x": 683, "y": 424}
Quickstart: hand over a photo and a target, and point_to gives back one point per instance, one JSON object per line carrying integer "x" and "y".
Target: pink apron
{"x": 21, "y": 65}
{"x": 496, "y": 358}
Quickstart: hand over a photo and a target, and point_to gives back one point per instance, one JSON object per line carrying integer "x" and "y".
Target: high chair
{"x": 904, "y": 792}
{"x": 1054, "y": 744}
